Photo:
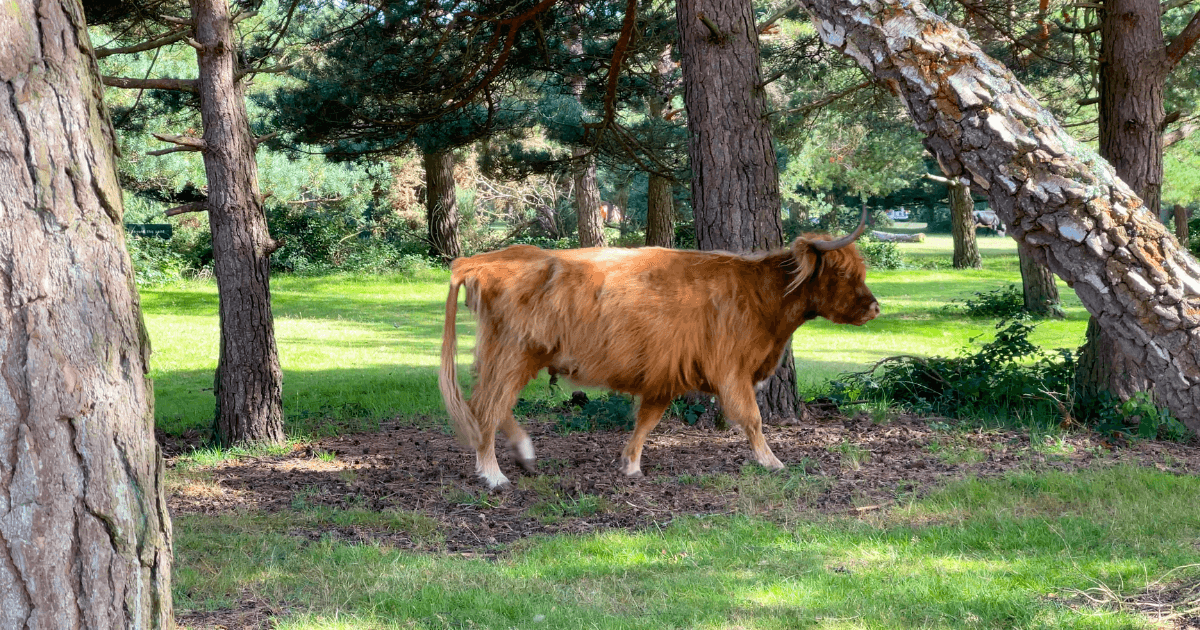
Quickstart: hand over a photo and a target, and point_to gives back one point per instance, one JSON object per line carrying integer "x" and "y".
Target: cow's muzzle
{"x": 872, "y": 312}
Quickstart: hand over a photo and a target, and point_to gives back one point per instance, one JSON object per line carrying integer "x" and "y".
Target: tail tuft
{"x": 466, "y": 428}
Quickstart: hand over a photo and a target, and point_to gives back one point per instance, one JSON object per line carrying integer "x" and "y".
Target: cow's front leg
{"x": 648, "y": 415}
{"x": 739, "y": 405}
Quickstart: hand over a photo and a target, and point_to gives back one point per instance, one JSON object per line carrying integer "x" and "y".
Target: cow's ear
{"x": 806, "y": 262}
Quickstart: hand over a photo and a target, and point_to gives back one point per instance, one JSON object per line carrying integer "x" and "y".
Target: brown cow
{"x": 653, "y": 322}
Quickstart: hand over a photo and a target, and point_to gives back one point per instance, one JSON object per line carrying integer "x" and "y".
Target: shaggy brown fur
{"x": 652, "y": 322}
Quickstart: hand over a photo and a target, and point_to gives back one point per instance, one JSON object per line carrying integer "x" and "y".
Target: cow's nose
{"x": 873, "y": 310}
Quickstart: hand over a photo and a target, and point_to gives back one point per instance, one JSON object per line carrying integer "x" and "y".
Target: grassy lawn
{"x": 1016, "y": 552}
{"x": 1024, "y": 550}
{"x": 357, "y": 349}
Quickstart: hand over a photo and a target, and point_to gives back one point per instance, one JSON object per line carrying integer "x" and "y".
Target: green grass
{"x": 355, "y": 350}
{"x": 1003, "y": 553}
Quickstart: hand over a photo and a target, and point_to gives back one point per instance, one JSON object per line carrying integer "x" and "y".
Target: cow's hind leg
{"x": 739, "y": 405}
{"x": 648, "y": 415}
{"x": 492, "y": 401}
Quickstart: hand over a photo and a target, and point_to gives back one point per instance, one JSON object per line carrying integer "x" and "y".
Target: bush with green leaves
{"x": 1003, "y": 303}
{"x": 881, "y": 254}
{"x": 610, "y": 412}
{"x": 155, "y": 262}
{"x": 1007, "y": 379}
{"x": 1008, "y": 376}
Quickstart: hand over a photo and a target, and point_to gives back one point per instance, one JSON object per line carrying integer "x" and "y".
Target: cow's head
{"x": 833, "y": 275}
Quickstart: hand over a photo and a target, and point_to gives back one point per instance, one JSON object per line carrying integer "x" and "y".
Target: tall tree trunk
{"x": 587, "y": 201}
{"x": 962, "y": 226}
{"x": 735, "y": 178}
{"x": 249, "y": 381}
{"x": 660, "y": 212}
{"x": 587, "y": 193}
{"x": 1131, "y": 116}
{"x": 1132, "y": 76}
{"x": 85, "y": 537}
{"x": 1038, "y": 287}
{"x": 441, "y": 205}
{"x": 1058, "y": 197}
{"x": 1181, "y": 225}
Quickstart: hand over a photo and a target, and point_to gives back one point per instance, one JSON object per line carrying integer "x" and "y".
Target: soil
{"x": 861, "y": 468}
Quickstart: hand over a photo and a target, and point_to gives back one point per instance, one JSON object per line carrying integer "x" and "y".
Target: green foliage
{"x": 1008, "y": 379}
{"x": 881, "y": 254}
{"x": 1004, "y": 303}
{"x": 1005, "y": 377}
{"x": 155, "y": 263}
{"x": 1137, "y": 417}
{"x": 337, "y": 238}
{"x": 690, "y": 413}
{"x": 609, "y": 412}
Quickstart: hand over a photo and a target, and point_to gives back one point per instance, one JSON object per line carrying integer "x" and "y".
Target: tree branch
{"x": 1174, "y": 4}
{"x": 181, "y": 85}
{"x": 185, "y": 143}
{"x": 778, "y": 14}
{"x": 263, "y": 138}
{"x": 169, "y": 38}
{"x": 1183, "y": 42}
{"x": 712, "y": 28}
{"x": 1087, "y": 30}
{"x": 243, "y": 15}
{"x": 1182, "y": 133}
{"x": 171, "y": 19}
{"x": 272, "y": 70}
{"x": 825, "y": 100}
{"x": 195, "y": 206}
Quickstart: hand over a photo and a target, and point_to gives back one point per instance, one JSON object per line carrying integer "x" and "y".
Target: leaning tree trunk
{"x": 249, "y": 381}
{"x": 441, "y": 205}
{"x": 1132, "y": 74}
{"x": 735, "y": 179}
{"x": 1057, "y": 196}
{"x": 1038, "y": 287}
{"x": 962, "y": 226}
{"x": 85, "y": 538}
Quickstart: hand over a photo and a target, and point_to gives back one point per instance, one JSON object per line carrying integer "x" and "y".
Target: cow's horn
{"x": 828, "y": 246}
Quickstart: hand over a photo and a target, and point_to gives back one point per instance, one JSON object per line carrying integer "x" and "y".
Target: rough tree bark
{"x": 962, "y": 226}
{"x": 249, "y": 381}
{"x": 1038, "y": 287}
{"x": 735, "y": 179}
{"x": 1134, "y": 66}
{"x": 660, "y": 212}
{"x": 1132, "y": 76}
{"x": 587, "y": 193}
{"x": 441, "y": 205}
{"x": 1059, "y": 198}
{"x": 660, "y": 198}
{"x": 85, "y": 538}
{"x": 587, "y": 200}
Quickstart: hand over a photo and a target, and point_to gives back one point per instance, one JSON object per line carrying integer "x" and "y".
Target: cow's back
{"x": 647, "y": 320}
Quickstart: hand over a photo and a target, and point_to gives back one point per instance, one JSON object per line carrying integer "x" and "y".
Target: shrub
{"x": 1007, "y": 378}
{"x": 1003, "y": 303}
{"x": 986, "y": 383}
{"x": 154, "y": 261}
{"x": 881, "y": 254}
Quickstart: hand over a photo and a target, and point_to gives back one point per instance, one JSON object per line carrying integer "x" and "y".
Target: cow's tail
{"x": 461, "y": 418}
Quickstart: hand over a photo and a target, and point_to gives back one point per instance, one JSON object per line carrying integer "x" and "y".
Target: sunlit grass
{"x": 355, "y": 350}
{"x": 1004, "y": 553}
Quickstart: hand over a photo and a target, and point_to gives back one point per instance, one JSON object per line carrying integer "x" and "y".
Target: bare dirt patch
{"x": 850, "y": 466}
